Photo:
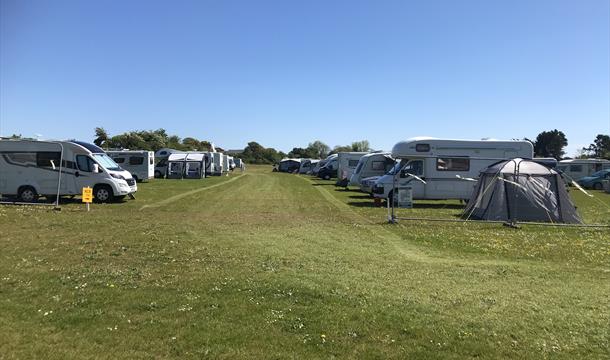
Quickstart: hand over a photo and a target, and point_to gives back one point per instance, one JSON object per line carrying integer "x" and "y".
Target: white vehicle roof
{"x": 291, "y": 159}
{"x": 409, "y": 147}
{"x": 177, "y": 157}
{"x": 194, "y": 156}
{"x": 583, "y": 161}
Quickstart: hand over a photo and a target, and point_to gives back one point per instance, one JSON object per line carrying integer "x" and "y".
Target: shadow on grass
{"x": 322, "y": 184}
{"x": 360, "y": 197}
{"x": 368, "y": 204}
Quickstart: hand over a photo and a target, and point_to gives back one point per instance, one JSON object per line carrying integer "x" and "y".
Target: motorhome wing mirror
{"x": 96, "y": 168}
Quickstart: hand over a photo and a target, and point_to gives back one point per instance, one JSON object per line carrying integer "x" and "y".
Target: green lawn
{"x": 270, "y": 265}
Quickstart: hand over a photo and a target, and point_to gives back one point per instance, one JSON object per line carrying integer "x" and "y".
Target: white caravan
{"x": 30, "y": 168}
{"x": 141, "y": 164}
{"x": 307, "y": 166}
{"x": 375, "y": 164}
{"x": 575, "y": 169}
{"x": 436, "y": 169}
{"x": 347, "y": 163}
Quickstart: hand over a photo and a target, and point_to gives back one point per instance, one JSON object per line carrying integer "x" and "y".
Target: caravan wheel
{"x": 27, "y": 194}
{"x": 102, "y": 193}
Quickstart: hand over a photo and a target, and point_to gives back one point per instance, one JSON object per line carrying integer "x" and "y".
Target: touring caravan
{"x": 141, "y": 164}
{"x": 375, "y": 164}
{"x": 575, "y": 169}
{"x": 438, "y": 168}
{"x": 30, "y": 168}
{"x": 347, "y": 163}
{"x": 307, "y": 166}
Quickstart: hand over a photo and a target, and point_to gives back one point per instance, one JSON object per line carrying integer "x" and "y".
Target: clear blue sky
{"x": 285, "y": 73}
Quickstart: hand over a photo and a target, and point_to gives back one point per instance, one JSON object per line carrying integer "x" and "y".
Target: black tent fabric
{"x": 521, "y": 190}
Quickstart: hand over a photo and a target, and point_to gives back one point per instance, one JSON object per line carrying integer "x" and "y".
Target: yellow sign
{"x": 87, "y": 195}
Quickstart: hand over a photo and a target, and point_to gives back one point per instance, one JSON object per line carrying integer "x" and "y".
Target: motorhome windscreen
{"x": 106, "y": 162}
{"x": 394, "y": 170}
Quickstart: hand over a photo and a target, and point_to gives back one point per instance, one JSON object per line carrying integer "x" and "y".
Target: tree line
{"x": 149, "y": 140}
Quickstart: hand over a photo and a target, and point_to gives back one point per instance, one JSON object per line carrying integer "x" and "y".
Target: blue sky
{"x": 285, "y": 73}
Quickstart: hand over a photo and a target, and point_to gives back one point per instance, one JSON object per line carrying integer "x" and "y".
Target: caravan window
{"x": 136, "y": 160}
{"x": 378, "y": 165}
{"x": 48, "y": 159}
{"x": 452, "y": 164}
{"x": 575, "y": 168}
{"x": 119, "y": 160}
{"x": 353, "y": 163}
{"x": 422, "y": 147}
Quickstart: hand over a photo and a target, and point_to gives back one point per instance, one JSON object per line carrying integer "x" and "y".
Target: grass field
{"x": 270, "y": 265}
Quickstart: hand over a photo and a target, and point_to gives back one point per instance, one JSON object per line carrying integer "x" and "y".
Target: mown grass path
{"x": 269, "y": 265}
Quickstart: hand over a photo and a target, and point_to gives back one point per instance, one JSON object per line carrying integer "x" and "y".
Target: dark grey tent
{"x": 521, "y": 190}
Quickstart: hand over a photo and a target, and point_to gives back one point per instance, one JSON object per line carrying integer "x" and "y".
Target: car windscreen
{"x": 106, "y": 162}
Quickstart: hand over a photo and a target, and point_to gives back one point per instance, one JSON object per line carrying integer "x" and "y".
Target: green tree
{"x": 361, "y": 146}
{"x": 550, "y": 144}
{"x": 600, "y": 147}
{"x": 318, "y": 149}
{"x": 101, "y": 137}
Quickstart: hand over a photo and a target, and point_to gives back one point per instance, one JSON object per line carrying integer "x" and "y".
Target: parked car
{"x": 595, "y": 181}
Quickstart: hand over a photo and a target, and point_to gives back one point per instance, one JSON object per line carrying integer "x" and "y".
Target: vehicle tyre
{"x": 598, "y": 186}
{"x": 135, "y": 178}
{"x": 27, "y": 194}
{"x": 326, "y": 177}
{"x": 102, "y": 193}
{"x": 158, "y": 174}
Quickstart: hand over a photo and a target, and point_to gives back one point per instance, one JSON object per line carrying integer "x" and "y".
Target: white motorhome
{"x": 375, "y": 164}
{"x": 307, "y": 165}
{"x": 141, "y": 164}
{"x": 575, "y": 169}
{"x": 225, "y": 163}
{"x": 218, "y": 163}
{"x": 347, "y": 163}
{"x": 436, "y": 169}
{"x": 30, "y": 168}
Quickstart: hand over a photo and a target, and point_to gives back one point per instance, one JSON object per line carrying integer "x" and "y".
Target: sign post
{"x": 87, "y": 196}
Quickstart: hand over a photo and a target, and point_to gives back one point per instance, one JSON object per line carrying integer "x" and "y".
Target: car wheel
{"x": 158, "y": 174}
{"x": 598, "y": 186}
{"x": 102, "y": 193}
{"x": 27, "y": 194}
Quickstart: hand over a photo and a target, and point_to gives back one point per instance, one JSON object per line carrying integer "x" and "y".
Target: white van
{"x": 375, "y": 164}
{"x": 140, "y": 163}
{"x": 347, "y": 163}
{"x": 30, "y": 168}
{"x": 575, "y": 169}
{"x": 442, "y": 164}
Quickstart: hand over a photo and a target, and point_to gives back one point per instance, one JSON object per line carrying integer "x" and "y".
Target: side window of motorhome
{"x": 353, "y": 163}
{"x": 22, "y": 158}
{"x": 85, "y": 163}
{"x": 119, "y": 160}
{"x": 378, "y": 165}
{"x": 452, "y": 164}
{"x": 48, "y": 159}
{"x": 136, "y": 160}
{"x": 150, "y": 160}
{"x": 576, "y": 168}
{"x": 422, "y": 147}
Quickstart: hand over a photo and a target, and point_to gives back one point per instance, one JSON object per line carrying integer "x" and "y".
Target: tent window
{"x": 452, "y": 164}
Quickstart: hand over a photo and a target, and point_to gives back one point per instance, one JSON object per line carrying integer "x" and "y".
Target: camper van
{"x": 437, "y": 169}
{"x": 217, "y": 161}
{"x": 375, "y": 164}
{"x": 30, "y": 168}
{"x": 141, "y": 164}
{"x": 289, "y": 165}
{"x": 329, "y": 169}
{"x": 575, "y": 169}
{"x": 307, "y": 166}
{"x": 347, "y": 163}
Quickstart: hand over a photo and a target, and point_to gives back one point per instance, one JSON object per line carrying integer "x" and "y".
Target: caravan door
{"x": 413, "y": 167}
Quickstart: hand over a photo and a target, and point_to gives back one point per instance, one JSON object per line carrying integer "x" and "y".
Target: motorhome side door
{"x": 414, "y": 167}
